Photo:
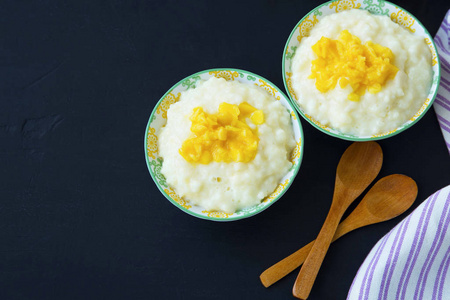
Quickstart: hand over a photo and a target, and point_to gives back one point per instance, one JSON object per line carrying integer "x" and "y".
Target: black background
{"x": 80, "y": 217}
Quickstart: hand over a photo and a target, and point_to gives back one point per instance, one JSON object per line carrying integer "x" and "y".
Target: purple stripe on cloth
{"x": 364, "y": 281}
{"x": 445, "y": 71}
{"x": 444, "y": 63}
{"x": 417, "y": 245}
{"x": 437, "y": 242}
{"x": 446, "y": 17}
{"x": 411, "y": 252}
{"x": 438, "y": 42}
{"x": 435, "y": 249}
{"x": 440, "y": 277}
{"x": 389, "y": 261}
{"x": 442, "y": 104}
{"x": 396, "y": 255}
{"x": 443, "y": 120}
{"x": 444, "y": 274}
{"x": 444, "y": 128}
{"x": 445, "y": 20}
{"x": 445, "y": 86}
{"x": 444, "y": 68}
{"x": 437, "y": 282}
{"x": 371, "y": 269}
{"x": 445, "y": 80}
{"x": 440, "y": 97}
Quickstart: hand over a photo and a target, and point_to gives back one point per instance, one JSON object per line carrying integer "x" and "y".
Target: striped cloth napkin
{"x": 412, "y": 261}
{"x": 442, "y": 102}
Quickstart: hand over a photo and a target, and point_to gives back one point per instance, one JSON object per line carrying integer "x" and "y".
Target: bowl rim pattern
{"x": 154, "y": 162}
{"x": 373, "y": 6}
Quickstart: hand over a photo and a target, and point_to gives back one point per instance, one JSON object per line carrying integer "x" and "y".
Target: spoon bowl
{"x": 391, "y": 196}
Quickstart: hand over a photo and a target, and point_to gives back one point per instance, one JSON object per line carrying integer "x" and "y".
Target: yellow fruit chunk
{"x": 224, "y": 136}
{"x": 257, "y": 117}
{"x": 364, "y": 67}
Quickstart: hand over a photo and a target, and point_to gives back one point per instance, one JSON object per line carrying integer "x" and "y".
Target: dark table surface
{"x": 80, "y": 217}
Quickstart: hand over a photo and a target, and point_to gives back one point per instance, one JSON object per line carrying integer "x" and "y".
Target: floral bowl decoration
{"x": 158, "y": 119}
{"x": 377, "y": 7}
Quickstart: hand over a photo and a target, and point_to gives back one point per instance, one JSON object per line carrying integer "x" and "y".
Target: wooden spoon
{"x": 388, "y": 198}
{"x": 358, "y": 167}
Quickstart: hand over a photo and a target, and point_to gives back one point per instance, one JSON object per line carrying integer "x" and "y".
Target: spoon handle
{"x": 296, "y": 259}
{"x": 285, "y": 266}
{"x": 313, "y": 262}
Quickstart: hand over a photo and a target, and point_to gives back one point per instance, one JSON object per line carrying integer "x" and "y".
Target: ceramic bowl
{"x": 378, "y": 7}
{"x": 158, "y": 119}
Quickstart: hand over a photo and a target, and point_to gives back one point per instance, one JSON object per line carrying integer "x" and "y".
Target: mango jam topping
{"x": 364, "y": 67}
{"x": 224, "y": 136}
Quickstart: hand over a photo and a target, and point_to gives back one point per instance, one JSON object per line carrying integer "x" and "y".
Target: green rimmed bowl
{"x": 158, "y": 119}
{"x": 378, "y": 7}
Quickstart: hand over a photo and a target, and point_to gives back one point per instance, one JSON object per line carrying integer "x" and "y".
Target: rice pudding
{"x": 231, "y": 182}
{"x": 361, "y": 105}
